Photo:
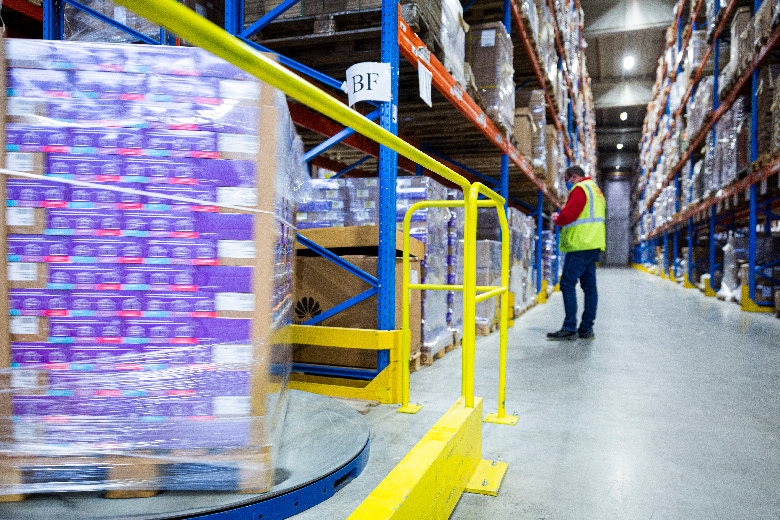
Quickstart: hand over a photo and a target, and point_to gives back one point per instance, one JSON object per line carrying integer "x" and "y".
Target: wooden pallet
{"x": 146, "y": 473}
{"x": 428, "y": 357}
{"x": 485, "y": 329}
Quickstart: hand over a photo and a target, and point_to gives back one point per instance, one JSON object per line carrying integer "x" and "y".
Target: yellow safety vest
{"x": 589, "y": 230}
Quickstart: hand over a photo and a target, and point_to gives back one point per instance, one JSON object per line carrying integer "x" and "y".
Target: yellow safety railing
{"x": 188, "y": 25}
{"x": 470, "y": 297}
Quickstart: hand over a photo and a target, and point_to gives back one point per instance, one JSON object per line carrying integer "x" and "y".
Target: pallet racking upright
{"x": 470, "y": 146}
{"x": 734, "y": 204}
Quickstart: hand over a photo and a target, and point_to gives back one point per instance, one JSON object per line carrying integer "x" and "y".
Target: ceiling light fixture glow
{"x": 623, "y": 116}
{"x": 628, "y": 62}
{"x": 620, "y": 146}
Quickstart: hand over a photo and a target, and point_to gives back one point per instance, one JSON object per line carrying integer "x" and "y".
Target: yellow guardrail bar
{"x": 186, "y": 24}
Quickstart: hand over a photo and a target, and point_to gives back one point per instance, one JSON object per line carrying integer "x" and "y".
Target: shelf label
{"x": 425, "y": 77}
{"x": 369, "y": 81}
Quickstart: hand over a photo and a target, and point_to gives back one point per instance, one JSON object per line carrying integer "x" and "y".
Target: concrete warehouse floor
{"x": 673, "y": 411}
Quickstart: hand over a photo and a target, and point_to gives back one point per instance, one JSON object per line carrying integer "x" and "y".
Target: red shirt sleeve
{"x": 574, "y": 206}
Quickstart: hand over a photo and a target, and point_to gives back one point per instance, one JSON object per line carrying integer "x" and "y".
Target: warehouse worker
{"x": 583, "y": 237}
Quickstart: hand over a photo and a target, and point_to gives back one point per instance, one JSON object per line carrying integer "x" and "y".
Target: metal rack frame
{"x": 710, "y": 210}
{"x": 397, "y": 39}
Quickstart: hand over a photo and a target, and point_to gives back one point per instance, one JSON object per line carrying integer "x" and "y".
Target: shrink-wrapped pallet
{"x": 489, "y": 51}
{"x": 149, "y": 278}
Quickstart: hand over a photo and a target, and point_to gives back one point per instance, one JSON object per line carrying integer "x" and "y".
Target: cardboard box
{"x": 321, "y": 285}
{"x": 551, "y": 142}
{"x": 524, "y": 132}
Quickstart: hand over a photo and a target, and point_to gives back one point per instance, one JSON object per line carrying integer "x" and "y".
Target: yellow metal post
{"x": 469, "y": 294}
{"x": 406, "y": 342}
{"x": 501, "y": 416}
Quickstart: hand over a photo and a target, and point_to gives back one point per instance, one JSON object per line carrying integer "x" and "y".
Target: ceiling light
{"x": 623, "y": 116}
{"x": 620, "y": 146}
{"x": 617, "y": 168}
{"x": 628, "y": 62}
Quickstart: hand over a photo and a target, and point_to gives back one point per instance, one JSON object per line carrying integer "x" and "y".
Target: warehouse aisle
{"x": 672, "y": 412}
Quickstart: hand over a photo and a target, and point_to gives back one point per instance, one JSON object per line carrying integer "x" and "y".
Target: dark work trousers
{"x": 580, "y": 265}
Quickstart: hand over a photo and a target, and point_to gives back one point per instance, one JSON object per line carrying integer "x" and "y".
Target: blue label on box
{"x": 60, "y": 340}
{"x": 12, "y": 148}
{"x": 14, "y": 258}
{"x": 157, "y": 207}
{"x": 133, "y": 393}
{"x": 153, "y": 418}
{"x": 81, "y": 205}
{"x": 136, "y": 341}
{"x": 60, "y": 232}
{"x": 83, "y": 259}
{"x": 158, "y": 153}
{"x": 157, "y": 261}
{"x": 59, "y": 393}
{"x": 65, "y": 286}
{"x": 134, "y": 287}
{"x": 82, "y": 313}
{"x": 156, "y": 314}
{"x": 84, "y": 150}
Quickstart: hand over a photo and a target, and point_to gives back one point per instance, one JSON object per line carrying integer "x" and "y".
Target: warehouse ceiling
{"x": 614, "y": 30}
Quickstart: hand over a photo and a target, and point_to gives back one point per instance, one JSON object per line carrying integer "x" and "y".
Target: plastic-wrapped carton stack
{"x": 455, "y": 265}
{"x": 523, "y": 245}
{"x": 489, "y": 51}
{"x": 430, "y": 226}
{"x": 488, "y": 274}
{"x": 144, "y": 303}
{"x": 538, "y": 108}
{"x": 453, "y": 39}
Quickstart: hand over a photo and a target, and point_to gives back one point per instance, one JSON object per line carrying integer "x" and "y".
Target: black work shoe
{"x": 562, "y": 335}
{"x": 586, "y": 334}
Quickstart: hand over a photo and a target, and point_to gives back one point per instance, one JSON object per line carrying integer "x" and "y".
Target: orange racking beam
{"x": 410, "y": 45}
{"x": 26, "y": 8}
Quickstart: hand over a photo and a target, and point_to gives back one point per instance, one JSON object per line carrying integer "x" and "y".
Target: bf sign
{"x": 368, "y": 81}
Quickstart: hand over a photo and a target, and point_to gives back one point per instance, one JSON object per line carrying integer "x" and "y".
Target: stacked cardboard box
{"x": 489, "y": 51}
{"x": 143, "y": 302}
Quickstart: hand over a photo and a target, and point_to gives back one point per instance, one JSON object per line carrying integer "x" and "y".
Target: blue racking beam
{"x": 539, "y": 229}
{"x": 334, "y": 140}
{"x": 352, "y": 166}
{"x": 752, "y": 221}
{"x": 52, "y": 19}
{"x": 272, "y": 15}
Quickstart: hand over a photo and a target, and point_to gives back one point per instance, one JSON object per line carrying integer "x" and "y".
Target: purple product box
{"x": 35, "y": 193}
{"x": 84, "y": 276}
{"x": 84, "y": 222}
{"x": 122, "y": 250}
{"x": 183, "y": 89}
{"x": 39, "y": 83}
{"x": 85, "y": 167}
{"x": 162, "y": 115}
{"x": 187, "y": 406}
{"x": 182, "y": 143}
{"x": 210, "y": 65}
{"x": 232, "y": 120}
{"x": 28, "y": 355}
{"x": 159, "y": 278}
{"x": 224, "y": 279}
{"x": 160, "y": 224}
{"x": 150, "y": 169}
{"x": 85, "y": 330}
{"x": 107, "y": 354}
{"x": 226, "y": 173}
{"x": 171, "y": 354}
{"x": 206, "y": 195}
{"x": 107, "y": 85}
{"x": 106, "y": 303}
{"x": 38, "y": 302}
{"x": 31, "y": 138}
{"x": 179, "y": 61}
{"x": 182, "y": 251}
{"x": 122, "y": 141}
{"x": 180, "y": 304}
{"x": 85, "y": 111}
{"x": 181, "y": 331}
{"x": 224, "y": 330}
{"x": 39, "y": 405}
{"x": 38, "y": 248}
{"x": 228, "y": 226}
{"x": 225, "y": 383}
{"x": 84, "y": 196}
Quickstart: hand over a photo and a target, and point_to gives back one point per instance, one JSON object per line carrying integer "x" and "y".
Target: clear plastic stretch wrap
{"x": 453, "y": 39}
{"x": 488, "y": 274}
{"x": 327, "y": 206}
{"x": 700, "y": 106}
{"x": 522, "y": 248}
{"x": 489, "y": 51}
{"x": 455, "y": 264}
{"x": 741, "y": 40}
{"x": 729, "y": 286}
{"x": 431, "y": 227}
{"x": 149, "y": 279}
{"x": 548, "y": 257}
{"x": 538, "y": 109}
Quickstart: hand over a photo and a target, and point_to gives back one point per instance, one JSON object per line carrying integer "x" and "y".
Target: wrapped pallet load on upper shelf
{"x": 453, "y": 39}
{"x": 489, "y": 51}
{"x": 149, "y": 278}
